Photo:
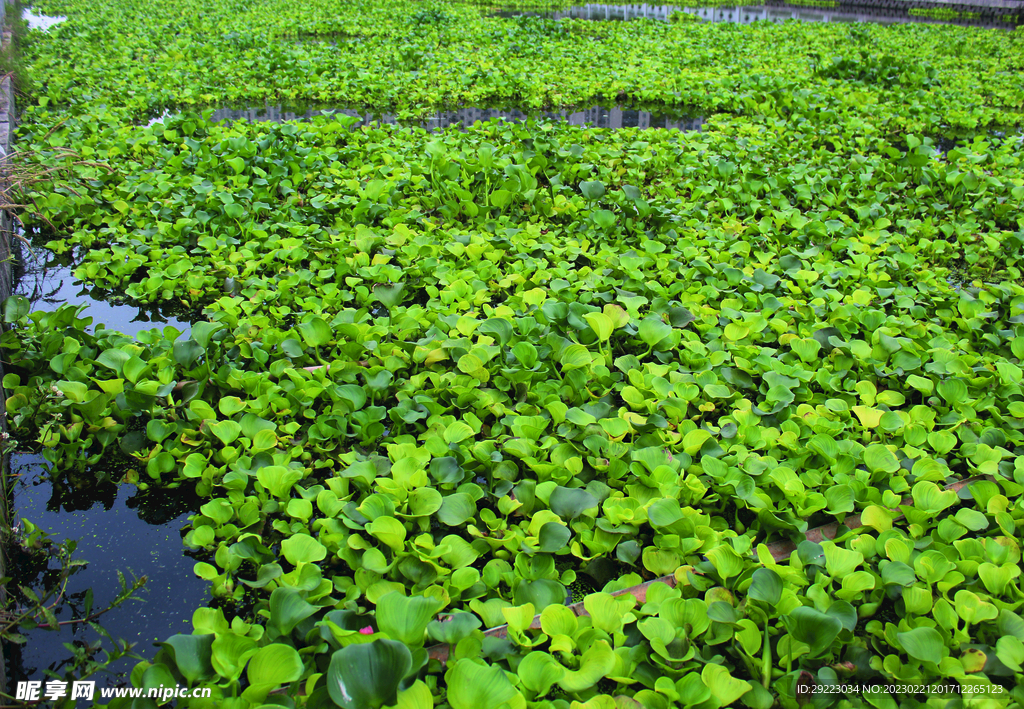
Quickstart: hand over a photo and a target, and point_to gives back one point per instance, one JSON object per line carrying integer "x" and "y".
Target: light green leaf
{"x": 476, "y": 686}
{"x": 406, "y": 618}
{"x": 724, "y": 687}
{"x": 226, "y": 431}
{"x": 539, "y": 671}
{"x": 274, "y": 665}
{"x": 924, "y": 644}
{"x": 302, "y": 548}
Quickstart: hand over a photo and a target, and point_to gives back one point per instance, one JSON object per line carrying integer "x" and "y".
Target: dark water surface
{"x": 118, "y": 528}
{"x": 48, "y": 281}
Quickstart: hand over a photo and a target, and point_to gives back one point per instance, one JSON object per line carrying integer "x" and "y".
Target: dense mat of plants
{"x": 138, "y": 58}
{"x": 447, "y": 382}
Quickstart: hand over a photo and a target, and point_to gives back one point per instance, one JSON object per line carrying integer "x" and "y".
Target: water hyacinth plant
{"x": 500, "y": 377}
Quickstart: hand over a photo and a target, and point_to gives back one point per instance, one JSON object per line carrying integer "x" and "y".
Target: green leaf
{"x": 252, "y": 425}
{"x": 575, "y": 357}
{"x": 597, "y": 662}
{"x": 605, "y": 612}
{"x": 288, "y": 608}
{"x": 203, "y": 330}
{"x": 558, "y": 620}
{"x": 278, "y": 480}
{"x": 726, "y": 561}
{"x": 302, "y": 548}
{"x": 476, "y": 686}
{"x": 1010, "y": 652}
{"x": 603, "y": 218}
{"x": 114, "y": 359}
{"x": 157, "y": 430}
{"x": 553, "y": 537}
{"x": 274, "y": 665}
{"x": 930, "y": 498}
{"x": 526, "y": 354}
{"x": 315, "y": 332}
{"x": 601, "y": 324}
{"x": 954, "y": 391}
{"x": 539, "y": 671}
{"x": 840, "y": 562}
{"x": 406, "y": 618}
{"x": 456, "y": 509}
{"x": 500, "y": 328}
{"x": 724, "y": 687}
{"x": 766, "y": 585}
{"x": 541, "y": 593}
{"x": 813, "y": 628}
{"x": 417, "y": 696}
{"x": 997, "y": 578}
{"x": 824, "y": 445}
{"x": 230, "y": 654}
{"x": 192, "y": 654}
{"x": 942, "y": 442}
{"x": 453, "y": 628}
{"x": 519, "y": 618}
{"x": 840, "y": 499}
{"x": 692, "y": 690}
{"x": 292, "y": 348}
{"x": 653, "y": 330}
{"x": 806, "y": 349}
{"x": 230, "y": 405}
{"x": 16, "y": 307}
{"x": 878, "y": 458}
{"x": 263, "y": 441}
{"x": 570, "y": 503}
{"x": 367, "y": 675}
{"x": 501, "y": 198}
{"x": 592, "y": 191}
{"x": 388, "y": 530}
{"x": 925, "y": 386}
{"x": 695, "y": 440}
{"x": 226, "y": 431}
{"x": 457, "y": 431}
{"x": 924, "y": 644}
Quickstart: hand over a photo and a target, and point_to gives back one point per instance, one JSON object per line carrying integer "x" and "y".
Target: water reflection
{"x": 47, "y": 279}
{"x": 776, "y": 12}
{"x": 118, "y": 528}
{"x": 40, "y": 22}
{"x": 617, "y": 117}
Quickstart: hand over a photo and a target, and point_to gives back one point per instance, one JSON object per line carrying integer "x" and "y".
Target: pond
{"x": 118, "y": 528}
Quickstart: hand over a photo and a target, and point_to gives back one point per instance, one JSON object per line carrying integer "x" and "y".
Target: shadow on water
{"x": 117, "y": 528}
{"x": 773, "y": 12}
{"x": 615, "y": 117}
{"x": 47, "y": 279}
